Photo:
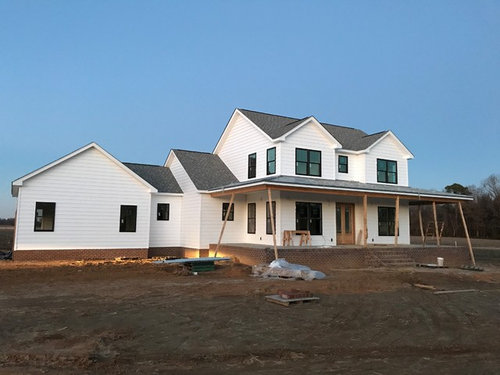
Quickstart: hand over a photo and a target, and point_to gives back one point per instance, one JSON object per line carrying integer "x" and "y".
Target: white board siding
{"x": 288, "y": 201}
{"x": 88, "y": 190}
{"x": 387, "y": 149}
{"x": 260, "y": 236}
{"x": 404, "y": 221}
{"x": 355, "y": 167}
{"x": 311, "y": 138}
{"x": 191, "y": 207}
{"x": 165, "y": 233}
{"x": 242, "y": 140}
{"x": 211, "y": 221}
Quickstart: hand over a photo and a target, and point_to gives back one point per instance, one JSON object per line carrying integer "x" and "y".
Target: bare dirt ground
{"x": 136, "y": 317}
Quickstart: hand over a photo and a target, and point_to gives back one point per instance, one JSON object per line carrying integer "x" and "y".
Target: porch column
{"x": 421, "y": 224}
{"x": 436, "y": 223}
{"x": 396, "y": 224}
{"x": 224, "y": 225}
{"x": 466, "y": 233}
{"x": 365, "y": 219}
{"x": 271, "y": 213}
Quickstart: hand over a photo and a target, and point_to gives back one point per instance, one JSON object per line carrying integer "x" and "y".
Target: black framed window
{"x": 307, "y": 162}
{"x": 386, "y": 221}
{"x": 45, "y": 213}
{"x": 251, "y": 218}
{"x": 163, "y": 211}
{"x": 128, "y": 218}
{"x": 271, "y": 160}
{"x": 269, "y": 229}
{"x": 225, "y": 207}
{"x": 308, "y": 216}
{"x": 387, "y": 171}
{"x": 252, "y": 165}
{"x": 343, "y": 164}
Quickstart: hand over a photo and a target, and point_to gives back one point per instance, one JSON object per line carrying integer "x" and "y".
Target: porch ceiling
{"x": 338, "y": 187}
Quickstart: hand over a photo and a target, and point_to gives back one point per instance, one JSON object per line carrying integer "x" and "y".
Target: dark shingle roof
{"x": 207, "y": 171}
{"x": 275, "y": 126}
{"x": 160, "y": 177}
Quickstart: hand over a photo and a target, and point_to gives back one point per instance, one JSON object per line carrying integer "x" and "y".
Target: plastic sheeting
{"x": 281, "y": 268}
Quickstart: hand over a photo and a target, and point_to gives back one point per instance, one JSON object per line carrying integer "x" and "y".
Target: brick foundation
{"x": 82, "y": 254}
{"x": 166, "y": 252}
{"x": 340, "y": 257}
{"x": 89, "y": 254}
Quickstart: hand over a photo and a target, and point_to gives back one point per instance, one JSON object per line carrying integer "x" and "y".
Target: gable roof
{"x": 206, "y": 170}
{"x": 276, "y": 126}
{"x": 158, "y": 176}
{"x": 16, "y": 184}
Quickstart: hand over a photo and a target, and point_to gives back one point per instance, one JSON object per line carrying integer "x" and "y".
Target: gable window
{"x": 252, "y": 165}
{"x": 45, "y": 213}
{"x": 386, "y": 221}
{"x": 271, "y": 160}
{"x": 128, "y": 218}
{"x": 307, "y": 162}
{"x": 225, "y": 207}
{"x": 163, "y": 211}
{"x": 343, "y": 164}
{"x": 387, "y": 171}
{"x": 308, "y": 216}
{"x": 269, "y": 229}
{"x": 251, "y": 218}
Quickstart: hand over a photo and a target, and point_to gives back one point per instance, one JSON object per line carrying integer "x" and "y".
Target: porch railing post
{"x": 224, "y": 225}
{"x": 271, "y": 213}
{"x": 365, "y": 219}
{"x": 396, "y": 223}
{"x": 436, "y": 223}
{"x": 420, "y": 223}
{"x": 467, "y": 234}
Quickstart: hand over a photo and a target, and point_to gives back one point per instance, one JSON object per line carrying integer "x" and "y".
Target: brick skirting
{"x": 340, "y": 257}
{"x": 89, "y": 254}
{"x": 82, "y": 254}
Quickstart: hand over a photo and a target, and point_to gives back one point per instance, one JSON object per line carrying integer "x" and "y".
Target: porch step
{"x": 388, "y": 258}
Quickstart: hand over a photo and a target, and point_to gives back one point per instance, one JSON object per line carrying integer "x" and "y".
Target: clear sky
{"x": 142, "y": 77}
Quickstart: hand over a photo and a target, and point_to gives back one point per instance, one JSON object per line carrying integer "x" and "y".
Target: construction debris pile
{"x": 280, "y": 268}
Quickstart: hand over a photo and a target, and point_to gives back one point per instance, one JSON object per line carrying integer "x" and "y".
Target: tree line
{"x": 9, "y": 221}
{"x": 482, "y": 214}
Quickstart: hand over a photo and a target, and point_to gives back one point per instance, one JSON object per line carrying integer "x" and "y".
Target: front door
{"x": 345, "y": 223}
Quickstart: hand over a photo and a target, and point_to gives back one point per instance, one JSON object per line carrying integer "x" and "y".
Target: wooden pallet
{"x": 275, "y": 298}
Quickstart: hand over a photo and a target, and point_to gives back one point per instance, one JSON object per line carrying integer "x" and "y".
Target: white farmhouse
{"x": 332, "y": 185}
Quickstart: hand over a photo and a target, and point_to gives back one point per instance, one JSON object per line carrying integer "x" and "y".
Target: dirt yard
{"x": 136, "y": 317}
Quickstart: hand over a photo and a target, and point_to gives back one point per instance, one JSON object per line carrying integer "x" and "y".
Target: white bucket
{"x": 440, "y": 262}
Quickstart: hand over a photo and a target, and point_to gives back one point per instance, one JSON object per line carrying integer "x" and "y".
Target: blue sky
{"x": 141, "y": 77}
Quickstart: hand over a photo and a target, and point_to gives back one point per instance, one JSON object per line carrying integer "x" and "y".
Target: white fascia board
{"x": 346, "y": 151}
{"x": 321, "y": 128}
{"x": 405, "y": 150}
{"x": 169, "y": 194}
{"x": 170, "y": 158}
{"x": 19, "y": 182}
{"x": 416, "y": 195}
{"x": 228, "y": 127}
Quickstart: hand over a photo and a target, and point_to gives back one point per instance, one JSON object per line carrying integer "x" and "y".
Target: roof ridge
{"x": 341, "y": 126}
{"x": 377, "y": 133}
{"x": 197, "y": 152}
{"x": 148, "y": 165}
{"x": 270, "y": 114}
{"x": 298, "y": 120}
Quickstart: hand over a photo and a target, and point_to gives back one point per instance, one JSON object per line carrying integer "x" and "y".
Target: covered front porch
{"x": 348, "y": 224}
